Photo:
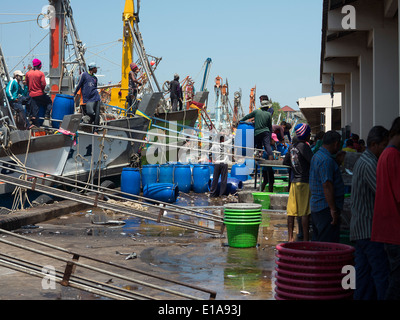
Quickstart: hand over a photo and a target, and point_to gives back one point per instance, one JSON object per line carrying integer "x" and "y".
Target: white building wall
{"x": 369, "y": 57}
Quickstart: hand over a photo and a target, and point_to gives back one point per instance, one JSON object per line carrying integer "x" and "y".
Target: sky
{"x": 273, "y": 45}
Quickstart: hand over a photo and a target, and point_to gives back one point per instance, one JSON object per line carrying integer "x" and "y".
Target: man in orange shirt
{"x": 36, "y": 83}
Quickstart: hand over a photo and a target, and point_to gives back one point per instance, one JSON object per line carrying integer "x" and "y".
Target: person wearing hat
{"x": 90, "y": 96}
{"x": 262, "y": 127}
{"x": 134, "y": 83}
{"x": 36, "y": 82}
{"x": 299, "y": 159}
{"x": 14, "y": 93}
{"x": 176, "y": 94}
{"x": 262, "y": 137}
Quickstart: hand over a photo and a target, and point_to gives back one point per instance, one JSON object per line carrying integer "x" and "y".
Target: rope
{"x": 17, "y": 21}
{"x": 20, "y": 194}
{"x": 29, "y": 52}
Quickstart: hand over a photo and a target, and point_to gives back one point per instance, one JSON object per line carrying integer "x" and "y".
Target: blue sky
{"x": 272, "y": 44}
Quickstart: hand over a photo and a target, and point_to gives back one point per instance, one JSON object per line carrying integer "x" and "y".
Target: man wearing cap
{"x": 262, "y": 134}
{"x": 90, "y": 96}
{"x": 299, "y": 159}
{"x": 36, "y": 82}
{"x": 176, "y": 94}
{"x": 134, "y": 83}
{"x": 14, "y": 94}
{"x": 262, "y": 127}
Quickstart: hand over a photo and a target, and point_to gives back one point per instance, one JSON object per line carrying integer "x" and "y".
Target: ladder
{"x": 76, "y": 42}
{"x": 4, "y": 79}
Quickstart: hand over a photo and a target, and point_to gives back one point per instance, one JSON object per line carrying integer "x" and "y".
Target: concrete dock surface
{"x": 169, "y": 252}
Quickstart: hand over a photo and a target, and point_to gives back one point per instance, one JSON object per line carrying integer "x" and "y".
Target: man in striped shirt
{"x": 370, "y": 259}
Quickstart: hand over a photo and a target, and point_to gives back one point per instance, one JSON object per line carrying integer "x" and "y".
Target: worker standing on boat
{"x": 36, "y": 82}
{"x": 134, "y": 83}
{"x": 15, "y": 95}
{"x": 176, "y": 94}
{"x": 90, "y": 96}
{"x": 262, "y": 127}
{"x": 262, "y": 136}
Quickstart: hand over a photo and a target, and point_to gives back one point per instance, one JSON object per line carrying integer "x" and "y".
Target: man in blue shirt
{"x": 327, "y": 189}
{"x": 90, "y": 96}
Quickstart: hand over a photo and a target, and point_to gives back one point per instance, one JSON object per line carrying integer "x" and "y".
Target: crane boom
{"x": 206, "y": 73}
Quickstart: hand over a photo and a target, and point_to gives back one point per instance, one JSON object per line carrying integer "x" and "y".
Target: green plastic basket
{"x": 263, "y": 199}
{"x": 242, "y": 235}
{"x": 280, "y": 188}
{"x": 243, "y": 220}
{"x": 242, "y": 207}
{"x": 242, "y": 211}
{"x": 242, "y": 214}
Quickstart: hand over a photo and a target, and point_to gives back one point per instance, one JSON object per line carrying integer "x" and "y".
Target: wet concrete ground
{"x": 171, "y": 252}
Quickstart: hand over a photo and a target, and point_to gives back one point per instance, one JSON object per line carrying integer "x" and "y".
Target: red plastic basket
{"x": 309, "y": 276}
{"x": 312, "y": 270}
{"x": 327, "y": 283}
{"x": 337, "y": 260}
{"x": 309, "y": 268}
{"x": 324, "y": 291}
{"x": 287, "y": 295}
{"x": 311, "y": 249}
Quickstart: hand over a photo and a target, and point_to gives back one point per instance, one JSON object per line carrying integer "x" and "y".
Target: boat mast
{"x": 61, "y": 70}
{"x": 56, "y": 48}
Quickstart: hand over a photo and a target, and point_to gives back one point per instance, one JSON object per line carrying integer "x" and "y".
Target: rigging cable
{"x": 29, "y": 53}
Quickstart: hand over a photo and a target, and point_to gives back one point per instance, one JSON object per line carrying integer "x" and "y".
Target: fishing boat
{"x": 71, "y": 149}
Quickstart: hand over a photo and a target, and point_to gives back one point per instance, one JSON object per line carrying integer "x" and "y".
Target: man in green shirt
{"x": 262, "y": 127}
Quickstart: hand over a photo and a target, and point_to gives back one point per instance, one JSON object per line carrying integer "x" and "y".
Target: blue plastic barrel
{"x": 183, "y": 177}
{"x": 251, "y": 165}
{"x": 212, "y": 167}
{"x": 63, "y": 104}
{"x": 244, "y": 138}
{"x": 282, "y": 149}
{"x": 166, "y": 173}
{"x": 164, "y": 192}
{"x": 149, "y": 174}
{"x": 201, "y": 178}
{"x": 239, "y": 171}
{"x": 130, "y": 181}
{"x": 232, "y": 185}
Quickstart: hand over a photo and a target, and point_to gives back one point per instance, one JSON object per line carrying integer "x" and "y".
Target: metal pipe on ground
{"x": 76, "y": 256}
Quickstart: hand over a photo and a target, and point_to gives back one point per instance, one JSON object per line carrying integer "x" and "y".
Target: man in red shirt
{"x": 36, "y": 83}
{"x": 386, "y": 220}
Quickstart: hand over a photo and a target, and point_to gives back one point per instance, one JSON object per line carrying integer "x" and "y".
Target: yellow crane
{"x": 119, "y": 94}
